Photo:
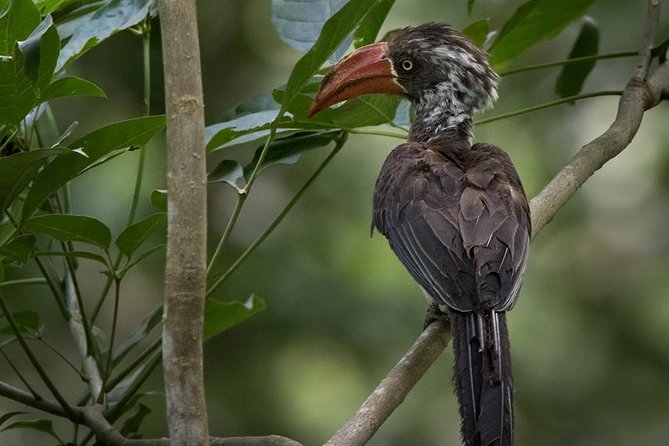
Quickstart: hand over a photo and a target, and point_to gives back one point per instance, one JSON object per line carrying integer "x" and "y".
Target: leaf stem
{"x": 61, "y": 356}
{"x": 18, "y": 373}
{"x": 557, "y": 63}
{"x": 51, "y": 282}
{"x": 112, "y": 336}
{"x": 54, "y": 289}
{"x": 249, "y": 250}
{"x": 31, "y": 281}
{"x": 146, "y": 52}
{"x": 33, "y": 359}
{"x": 118, "y": 409}
{"x": 376, "y": 133}
{"x": 263, "y": 153}
{"x": 113, "y": 382}
{"x": 241, "y": 198}
{"x": 243, "y": 194}
{"x": 550, "y": 104}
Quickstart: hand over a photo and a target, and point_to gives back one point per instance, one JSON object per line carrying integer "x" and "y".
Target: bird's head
{"x": 432, "y": 64}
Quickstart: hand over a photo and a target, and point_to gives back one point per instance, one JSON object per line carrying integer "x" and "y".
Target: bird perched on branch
{"x": 454, "y": 213}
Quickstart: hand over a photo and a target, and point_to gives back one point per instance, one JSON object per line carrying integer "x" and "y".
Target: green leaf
{"x": 533, "y": 22}
{"x": 50, "y": 6}
{"x": 159, "y": 199}
{"x": 115, "y": 16}
{"x": 16, "y": 172}
{"x": 74, "y": 14}
{"x": 134, "y": 420}
{"x": 145, "y": 255}
{"x": 71, "y": 228}
{"x": 299, "y": 106}
{"x": 139, "y": 334}
{"x": 120, "y": 390}
{"x": 366, "y": 111}
{"x": 404, "y": 113}
{"x": 288, "y": 150}
{"x": 250, "y": 121}
{"x": 220, "y": 316}
{"x": 369, "y": 28}
{"x": 230, "y": 172}
{"x": 299, "y": 22}
{"x": 100, "y": 338}
{"x": 74, "y": 254}
{"x": 132, "y": 133}
{"x": 477, "y": 31}
{"x": 219, "y": 135}
{"x": 40, "y": 425}
{"x": 572, "y": 76}
{"x": 335, "y": 30}
{"x": 18, "y": 18}
{"x": 40, "y": 52}
{"x": 18, "y": 251}
{"x": 17, "y": 92}
{"x": 9, "y": 415}
{"x": 7, "y": 228}
{"x": 134, "y": 235}
{"x": 71, "y": 86}
{"x": 25, "y": 320}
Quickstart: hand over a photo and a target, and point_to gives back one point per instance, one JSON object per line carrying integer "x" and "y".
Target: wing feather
{"x": 460, "y": 226}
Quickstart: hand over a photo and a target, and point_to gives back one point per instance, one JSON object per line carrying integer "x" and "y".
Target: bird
{"x": 455, "y": 213}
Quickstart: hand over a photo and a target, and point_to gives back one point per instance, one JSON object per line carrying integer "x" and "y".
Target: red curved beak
{"x": 367, "y": 70}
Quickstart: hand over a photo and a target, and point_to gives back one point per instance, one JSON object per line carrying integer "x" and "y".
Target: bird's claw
{"x": 434, "y": 313}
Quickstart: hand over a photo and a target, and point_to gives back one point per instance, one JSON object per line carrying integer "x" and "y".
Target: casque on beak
{"x": 367, "y": 70}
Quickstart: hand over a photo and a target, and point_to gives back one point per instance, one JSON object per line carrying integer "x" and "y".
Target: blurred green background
{"x": 590, "y": 333}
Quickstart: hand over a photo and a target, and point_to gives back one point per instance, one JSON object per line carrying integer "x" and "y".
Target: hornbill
{"x": 455, "y": 213}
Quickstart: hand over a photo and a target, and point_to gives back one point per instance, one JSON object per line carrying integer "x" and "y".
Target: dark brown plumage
{"x": 455, "y": 214}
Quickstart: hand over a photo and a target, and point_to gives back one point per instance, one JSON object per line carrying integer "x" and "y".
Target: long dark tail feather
{"x": 483, "y": 377}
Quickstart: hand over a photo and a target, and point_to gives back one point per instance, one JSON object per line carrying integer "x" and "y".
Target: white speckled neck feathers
{"x": 453, "y": 80}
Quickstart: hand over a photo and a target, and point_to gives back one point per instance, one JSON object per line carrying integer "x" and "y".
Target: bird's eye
{"x": 407, "y": 65}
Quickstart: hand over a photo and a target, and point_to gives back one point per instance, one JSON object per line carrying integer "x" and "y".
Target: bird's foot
{"x": 435, "y": 313}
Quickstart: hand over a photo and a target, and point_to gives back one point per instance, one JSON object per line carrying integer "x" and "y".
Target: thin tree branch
{"x": 549, "y": 104}
{"x": 390, "y": 393}
{"x": 30, "y": 281}
{"x": 25, "y": 382}
{"x": 186, "y": 268}
{"x": 639, "y": 95}
{"x": 269, "y": 440}
{"x": 94, "y": 418}
{"x": 42, "y": 404}
{"x": 652, "y": 17}
{"x": 81, "y": 340}
{"x": 559, "y": 63}
{"x": 66, "y": 408}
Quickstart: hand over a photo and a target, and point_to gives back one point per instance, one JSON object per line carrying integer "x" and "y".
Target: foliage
{"x": 40, "y": 41}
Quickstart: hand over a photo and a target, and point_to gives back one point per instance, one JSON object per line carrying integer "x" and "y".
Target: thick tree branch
{"x": 390, "y": 393}
{"x": 185, "y": 270}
